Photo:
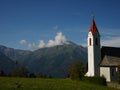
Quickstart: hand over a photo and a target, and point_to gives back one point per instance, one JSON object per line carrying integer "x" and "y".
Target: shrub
{"x": 2, "y": 73}
{"x": 96, "y": 80}
{"x": 40, "y": 75}
{"x": 20, "y": 72}
{"x": 77, "y": 71}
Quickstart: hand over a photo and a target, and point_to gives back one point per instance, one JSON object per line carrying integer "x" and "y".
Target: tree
{"x": 77, "y": 71}
{"x": 40, "y": 75}
{"x": 50, "y": 76}
{"x": 32, "y": 75}
{"x": 2, "y": 73}
{"x": 20, "y": 72}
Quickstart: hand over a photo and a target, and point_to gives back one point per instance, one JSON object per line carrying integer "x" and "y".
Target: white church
{"x": 102, "y": 61}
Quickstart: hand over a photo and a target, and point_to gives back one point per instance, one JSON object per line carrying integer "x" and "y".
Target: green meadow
{"x": 11, "y": 83}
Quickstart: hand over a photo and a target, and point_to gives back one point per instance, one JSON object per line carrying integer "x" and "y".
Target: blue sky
{"x": 23, "y": 23}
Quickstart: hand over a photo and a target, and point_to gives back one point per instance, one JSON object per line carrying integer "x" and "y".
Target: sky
{"x": 33, "y": 24}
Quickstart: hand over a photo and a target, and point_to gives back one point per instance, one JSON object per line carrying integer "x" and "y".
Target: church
{"x": 102, "y": 60}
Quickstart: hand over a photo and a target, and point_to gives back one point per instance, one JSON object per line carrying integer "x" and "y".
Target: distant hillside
{"x": 14, "y": 54}
{"x": 50, "y": 61}
{"x": 6, "y": 64}
{"x": 55, "y": 60}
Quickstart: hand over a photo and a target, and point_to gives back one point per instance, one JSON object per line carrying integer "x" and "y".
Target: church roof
{"x": 93, "y": 27}
{"x": 110, "y": 61}
{"x": 110, "y": 56}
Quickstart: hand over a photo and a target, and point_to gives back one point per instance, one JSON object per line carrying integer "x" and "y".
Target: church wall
{"x": 113, "y": 73}
{"x": 91, "y": 71}
{"x": 97, "y": 54}
{"x": 110, "y": 73}
{"x": 91, "y": 62}
{"x": 94, "y": 54}
{"x": 105, "y": 71}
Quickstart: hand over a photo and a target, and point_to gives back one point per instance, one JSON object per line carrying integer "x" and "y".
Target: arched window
{"x": 90, "y": 41}
{"x": 96, "y": 41}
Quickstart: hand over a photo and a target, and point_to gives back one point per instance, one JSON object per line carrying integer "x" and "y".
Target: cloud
{"x": 50, "y": 43}
{"x": 110, "y": 37}
{"x": 32, "y": 46}
{"x": 23, "y": 42}
{"x": 59, "y": 39}
{"x": 115, "y": 42}
{"x": 41, "y": 44}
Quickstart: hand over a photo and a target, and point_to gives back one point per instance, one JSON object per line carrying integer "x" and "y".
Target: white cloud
{"x": 32, "y": 46}
{"x": 110, "y": 37}
{"x": 59, "y": 39}
{"x": 41, "y": 44}
{"x": 115, "y": 42}
{"x": 23, "y": 42}
{"x": 50, "y": 43}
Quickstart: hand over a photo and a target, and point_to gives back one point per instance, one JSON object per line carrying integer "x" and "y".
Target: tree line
{"x": 21, "y": 71}
{"x": 76, "y": 71}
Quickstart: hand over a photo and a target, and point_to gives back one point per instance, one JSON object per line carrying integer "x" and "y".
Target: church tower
{"x": 94, "y": 50}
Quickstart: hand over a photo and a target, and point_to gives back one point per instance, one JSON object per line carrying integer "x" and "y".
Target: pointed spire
{"x": 93, "y": 27}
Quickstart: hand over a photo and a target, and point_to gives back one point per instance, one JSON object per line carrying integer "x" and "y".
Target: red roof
{"x": 93, "y": 27}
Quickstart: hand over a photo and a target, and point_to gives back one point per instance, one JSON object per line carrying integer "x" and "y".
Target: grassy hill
{"x": 8, "y": 83}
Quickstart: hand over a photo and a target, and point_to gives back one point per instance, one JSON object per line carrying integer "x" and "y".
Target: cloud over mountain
{"x": 59, "y": 39}
{"x": 23, "y": 42}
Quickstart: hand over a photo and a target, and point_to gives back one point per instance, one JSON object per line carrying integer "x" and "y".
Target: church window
{"x": 90, "y": 41}
{"x": 96, "y": 41}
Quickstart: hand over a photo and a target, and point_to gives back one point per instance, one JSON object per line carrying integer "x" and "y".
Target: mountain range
{"x": 6, "y": 64}
{"x": 52, "y": 61}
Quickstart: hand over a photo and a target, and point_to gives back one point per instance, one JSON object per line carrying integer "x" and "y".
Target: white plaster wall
{"x": 94, "y": 55}
{"x": 105, "y": 71}
{"x": 90, "y": 56}
{"x": 91, "y": 61}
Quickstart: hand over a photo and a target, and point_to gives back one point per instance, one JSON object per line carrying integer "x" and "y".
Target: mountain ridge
{"x": 6, "y": 64}
{"x": 12, "y": 53}
{"x": 50, "y": 60}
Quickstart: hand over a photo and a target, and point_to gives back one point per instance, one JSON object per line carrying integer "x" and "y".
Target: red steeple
{"x": 93, "y": 27}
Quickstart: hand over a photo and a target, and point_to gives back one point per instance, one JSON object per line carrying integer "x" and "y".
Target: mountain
{"x": 55, "y": 60}
{"x": 14, "y": 54}
{"x": 6, "y": 64}
{"x": 50, "y": 61}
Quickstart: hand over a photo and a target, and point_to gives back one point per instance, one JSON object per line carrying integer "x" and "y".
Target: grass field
{"x": 8, "y": 83}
